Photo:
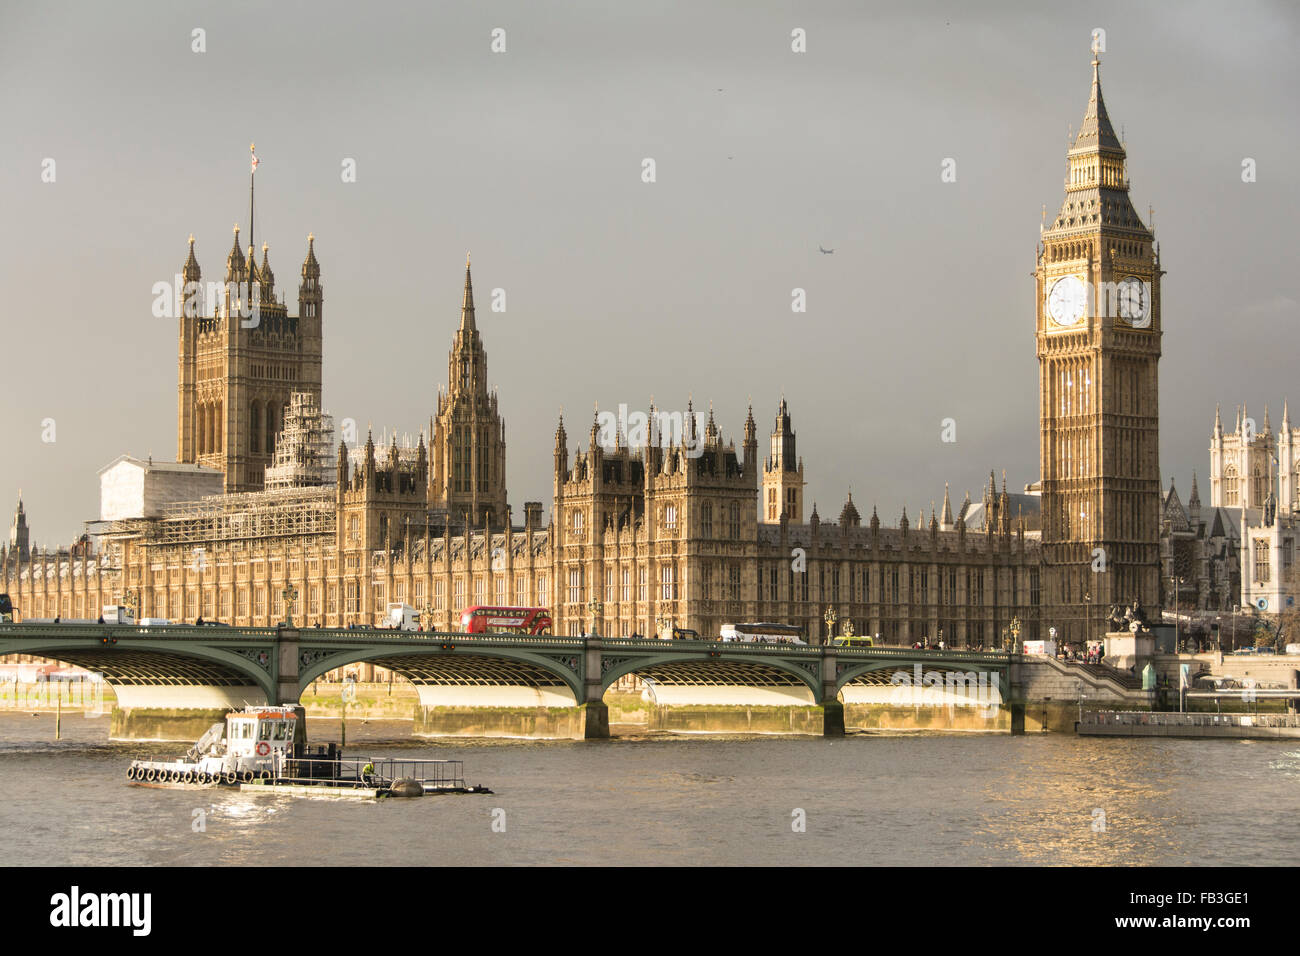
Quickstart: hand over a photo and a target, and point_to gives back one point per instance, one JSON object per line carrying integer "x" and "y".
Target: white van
{"x": 402, "y": 617}
{"x": 118, "y": 614}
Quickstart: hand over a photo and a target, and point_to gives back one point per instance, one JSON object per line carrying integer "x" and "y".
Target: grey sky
{"x": 618, "y": 290}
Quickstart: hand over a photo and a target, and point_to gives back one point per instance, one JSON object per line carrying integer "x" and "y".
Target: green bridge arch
{"x": 393, "y": 656}
{"x": 615, "y": 665}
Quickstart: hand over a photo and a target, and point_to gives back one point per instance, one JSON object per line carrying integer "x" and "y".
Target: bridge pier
{"x": 595, "y": 712}
{"x": 832, "y": 708}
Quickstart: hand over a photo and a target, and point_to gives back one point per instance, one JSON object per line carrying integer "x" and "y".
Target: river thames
{"x": 930, "y": 799}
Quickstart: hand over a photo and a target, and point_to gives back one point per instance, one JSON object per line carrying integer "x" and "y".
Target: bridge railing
{"x": 335, "y": 634}
{"x": 205, "y": 632}
{"x": 220, "y": 632}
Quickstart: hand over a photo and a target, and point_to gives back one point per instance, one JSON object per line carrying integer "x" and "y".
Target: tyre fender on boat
{"x": 406, "y": 787}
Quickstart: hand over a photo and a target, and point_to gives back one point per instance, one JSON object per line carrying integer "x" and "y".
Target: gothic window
{"x": 733, "y": 520}
{"x": 670, "y": 517}
{"x": 480, "y": 588}
{"x": 644, "y": 585}
{"x": 575, "y": 585}
{"x": 835, "y": 584}
{"x": 1261, "y": 561}
{"x": 500, "y": 589}
{"x": 771, "y": 504}
{"x": 609, "y": 585}
{"x": 459, "y": 592}
{"x": 354, "y": 528}
{"x": 733, "y": 588}
{"x": 626, "y": 592}
{"x": 576, "y": 517}
{"x": 706, "y": 520}
{"x": 668, "y": 581}
{"x": 438, "y": 595}
{"x": 1230, "y": 489}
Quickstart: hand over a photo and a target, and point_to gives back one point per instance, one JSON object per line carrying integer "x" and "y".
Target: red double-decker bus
{"x": 483, "y": 619}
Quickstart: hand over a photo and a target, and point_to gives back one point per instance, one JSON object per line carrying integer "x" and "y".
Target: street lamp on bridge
{"x": 831, "y": 617}
{"x": 594, "y": 608}
{"x": 289, "y": 595}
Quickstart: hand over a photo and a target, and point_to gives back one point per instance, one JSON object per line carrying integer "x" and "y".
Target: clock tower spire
{"x": 1098, "y": 331}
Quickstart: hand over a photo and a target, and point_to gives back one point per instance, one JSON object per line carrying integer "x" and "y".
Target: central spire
{"x": 467, "y": 305}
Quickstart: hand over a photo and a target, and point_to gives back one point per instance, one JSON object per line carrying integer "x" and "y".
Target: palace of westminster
{"x": 689, "y": 533}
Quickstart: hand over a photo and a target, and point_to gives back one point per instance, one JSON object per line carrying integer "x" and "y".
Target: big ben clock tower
{"x": 1098, "y": 332}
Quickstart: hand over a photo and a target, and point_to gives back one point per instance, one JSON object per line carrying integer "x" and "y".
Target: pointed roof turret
{"x": 310, "y": 267}
{"x": 235, "y": 265}
{"x": 1096, "y": 184}
{"x": 1194, "y": 500}
{"x": 947, "y": 508}
{"x": 849, "y": 517}
{"x": 1268, "y": 429}
{"x": 1286, "y": 419}
{"x": 1218, "y": 422}
{"x": 467, "y": 303}
{"x": 190, "y": 272}
{"x": 264, "y": 274}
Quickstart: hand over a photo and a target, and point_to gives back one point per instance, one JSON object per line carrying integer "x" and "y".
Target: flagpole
{"x": 251, "y": 172}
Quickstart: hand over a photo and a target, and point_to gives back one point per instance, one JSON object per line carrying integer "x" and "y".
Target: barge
{"x": 262, "y": 750}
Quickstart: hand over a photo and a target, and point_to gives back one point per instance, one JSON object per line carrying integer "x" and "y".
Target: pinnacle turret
{"x": 236, "y": 269}
{"x": 190, "y": 272}
{"x": 310, "y": 267}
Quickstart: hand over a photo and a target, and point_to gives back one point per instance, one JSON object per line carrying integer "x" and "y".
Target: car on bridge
{"x": 855, "y": 640}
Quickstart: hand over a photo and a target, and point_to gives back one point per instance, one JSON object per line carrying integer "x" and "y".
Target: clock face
{"x": 1134, "y": 302}
{"x": 1066, "y": 300}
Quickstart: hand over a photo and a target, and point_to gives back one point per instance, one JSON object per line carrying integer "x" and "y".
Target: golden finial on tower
{"x": 236, "y": 228}
{"x": 191, "y": 238}
{"x": 265, "y": 246}
{"x": 467, "y": 260}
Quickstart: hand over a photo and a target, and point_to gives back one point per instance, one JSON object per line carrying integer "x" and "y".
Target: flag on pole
{"x": 254, "y": 169}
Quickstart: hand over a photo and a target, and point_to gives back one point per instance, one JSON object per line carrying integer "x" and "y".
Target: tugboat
{"x": 256, "y": 750}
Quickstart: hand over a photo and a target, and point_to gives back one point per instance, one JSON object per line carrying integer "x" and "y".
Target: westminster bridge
{"x": 171, "y": 679}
